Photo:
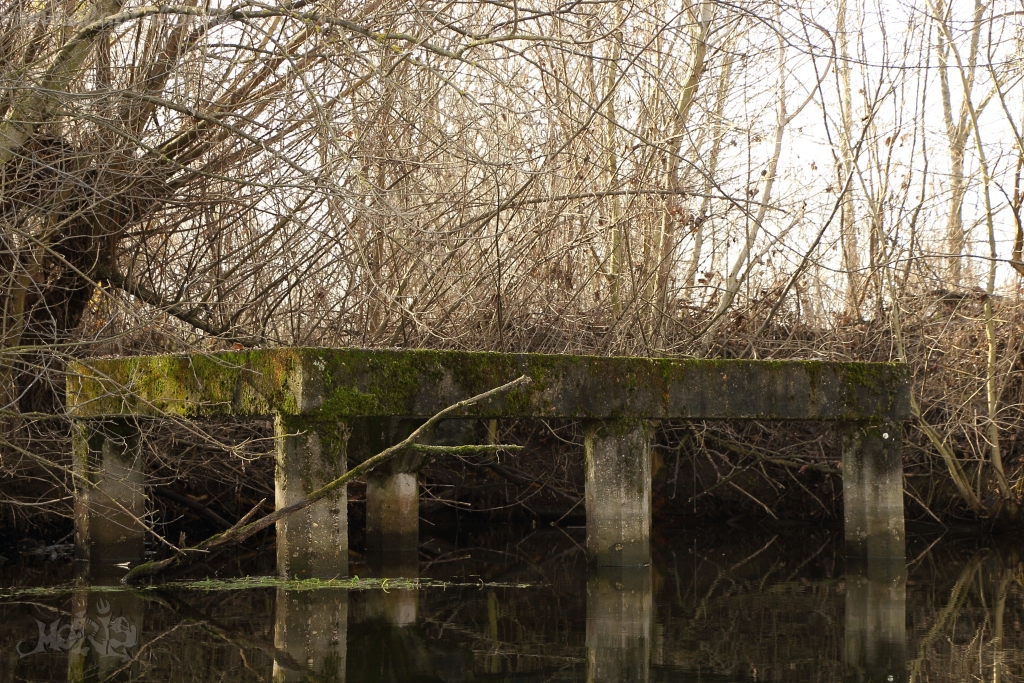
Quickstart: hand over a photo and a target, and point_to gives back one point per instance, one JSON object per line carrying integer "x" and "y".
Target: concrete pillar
{"x": 618, "y": 492}
{"x": 392, "y": 492}
{"x": 876, "y": 618}
{"x": 620, "y": 615}
{"x": 392, "y": 539}
{"x": 110, "y": 501}
{"x": 311, "y": 543}
{"x": 873, "y": 490}
{"x": 393, "y": 522}
{"x": 311, "y": 628}
{"x": 105, "y": 628}
{"x": 392, "y": 495}
{"x": 392, "y": 546}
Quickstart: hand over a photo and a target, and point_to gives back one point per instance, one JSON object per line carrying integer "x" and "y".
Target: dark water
{"x": 716, "y": 605}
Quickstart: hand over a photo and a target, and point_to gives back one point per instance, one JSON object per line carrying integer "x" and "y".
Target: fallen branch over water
{"x": 193, "y": 505}
{"x": 243, "y": 529}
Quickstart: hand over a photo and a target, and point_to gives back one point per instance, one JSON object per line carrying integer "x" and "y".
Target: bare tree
{"x": 626, "y": 178}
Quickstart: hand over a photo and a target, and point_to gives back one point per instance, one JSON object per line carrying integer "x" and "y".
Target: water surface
{"x": 720, "y": 604}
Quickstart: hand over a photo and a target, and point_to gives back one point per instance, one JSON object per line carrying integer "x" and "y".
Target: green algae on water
{"x": 354, "y": 583}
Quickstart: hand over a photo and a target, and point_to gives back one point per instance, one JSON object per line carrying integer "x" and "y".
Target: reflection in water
{"x": 310, "y": 635}
{"x": 380, "y": 650}
{"x": 876, "y": 621}
{"x": 620, "y": 611}
{"x": 103, "y": 635}
{"x": 389, "y": 645}
{"x": 106, "y": 625}
{"x": 732, "y": 610}
{"x": 394, "y": 606}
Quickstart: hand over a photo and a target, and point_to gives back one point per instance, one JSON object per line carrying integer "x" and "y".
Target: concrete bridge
{"x": 326, "y": 402}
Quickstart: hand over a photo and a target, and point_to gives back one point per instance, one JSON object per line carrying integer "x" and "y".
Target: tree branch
{"x": 177, "y": 310}
{"x": 243, "y": 529}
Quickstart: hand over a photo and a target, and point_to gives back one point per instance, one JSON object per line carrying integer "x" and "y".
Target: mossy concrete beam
{"x": 340, "y": 383}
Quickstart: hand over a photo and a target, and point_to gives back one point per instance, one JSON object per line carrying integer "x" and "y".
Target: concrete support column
{"x": 620, "y": 615}
{"x": 392, "y": 496}
{"x": 618, "y": 493}
{"x": 393, "y": 523}
{"x": 311, "y": 543}
{"x": 392, "y": 492}
{"x": 876, "y": 618}
{"x": 393, "y": 532}
{"x": 873, "y": 490}
{"x": 383, "y": 648}
{"x": 311, "y": 628}
{"x": 110, "y": 502}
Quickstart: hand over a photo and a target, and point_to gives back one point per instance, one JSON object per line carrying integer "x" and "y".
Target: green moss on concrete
{"x": 340, "y": 383}
{"x": 345, "y": 402}
{"x": 617, "y": 428}
{"x": 395, "y": 382}
{"x": 859, "y": 375}
{"x": 307, "y": 466}
{"x": 865, "y": 383}
{"x": 357, "y": 382}
{"x": 214, "y": 385}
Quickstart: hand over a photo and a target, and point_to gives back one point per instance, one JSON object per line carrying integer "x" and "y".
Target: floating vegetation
{"x": 354, "y": 583}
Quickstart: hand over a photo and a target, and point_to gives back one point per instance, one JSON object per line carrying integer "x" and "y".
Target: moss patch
{"x": 338, "y": 383}
{"x": 256, "y": 582}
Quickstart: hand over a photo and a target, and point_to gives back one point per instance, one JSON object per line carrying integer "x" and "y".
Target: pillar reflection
{"x": 388, "y": 645}
{"x": 105, "y": 630}
{"x": 620, "y": 615}
{"x": 876, "y": 614}
{"x": 311, "y": 631}
{"x": 393, "y": 606}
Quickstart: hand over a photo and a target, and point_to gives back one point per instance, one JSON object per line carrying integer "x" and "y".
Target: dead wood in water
{"x": 243, "y": 529}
